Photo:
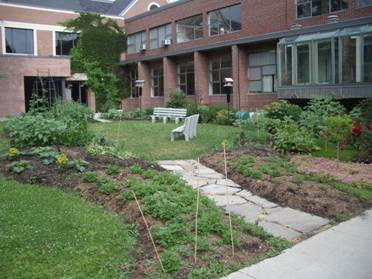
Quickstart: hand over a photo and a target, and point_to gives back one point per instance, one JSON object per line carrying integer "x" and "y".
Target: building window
{"x": 153, "y": 6}
{"x": 186, "y": 78}
{"x": 65, "y": 42}
{"x": 159, "y": 34}
{"x": 339, "y": 57}
{"x": 19, "y": 41}
{"x": 323, "y": 62}
{"x": 133, "y": 76}
{"x": 224, "y": 21}
{"x": 190, "y": 29}
{"x": 364, "y": 3}
{"x": 368, "y": 58}
{"x": 137, "y": 42}
{"x": 262, "y": 72}
{"x": 308, "y": 8}
{"x": 219, "y": 69}
{"x": 157, "y": 77}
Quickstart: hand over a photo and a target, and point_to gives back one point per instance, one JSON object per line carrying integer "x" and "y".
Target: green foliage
{"x": 51, "y": 233}
{"x": 225, "y": 117}
{"x": 312, "y": 118}
{"x": 171, "y": 262}
{"x": 13, "y": 153}
{"x": 113, "y": 170}
{"x": 218, "y": 115}
{"x": 177, "y": 99}
{"x": 172, "y": 234}
{"x": 289, "y": 137}
{"x": 62, "y": 162}
{"x": 105, "y": 185}
{"x": 282, "y": 110}
{"x": 90, "y": 177}
{"x": 136, "y": 169}
{"x": 247, "y": 171}
{"x": 97, "y": 36}
{"x": 19, "y": 166}
{"x": 48, "y": 155}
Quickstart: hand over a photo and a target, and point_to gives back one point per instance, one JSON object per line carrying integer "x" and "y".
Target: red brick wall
{"x": 44, "y": 43}
{"x": 142, "y": 6}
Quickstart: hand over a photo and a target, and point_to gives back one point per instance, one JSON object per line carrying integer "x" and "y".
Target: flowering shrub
{"x": 13, "y": 153}
{"x": 62, "y": 161}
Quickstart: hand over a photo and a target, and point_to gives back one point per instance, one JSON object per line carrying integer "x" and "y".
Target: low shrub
{"x": 113, "y": 170}
{"x": 225, "y": 117}
{"x": 282, "y": 110}
{"x": 19, "y": 166}
{"x": 105, "y": 185}
{"x": 177, "y": 99}
{"x": 90, "y": 177}
{"x": 171, "y": 262}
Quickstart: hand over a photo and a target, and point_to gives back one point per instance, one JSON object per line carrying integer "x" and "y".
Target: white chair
{"x": 188, "y": 129}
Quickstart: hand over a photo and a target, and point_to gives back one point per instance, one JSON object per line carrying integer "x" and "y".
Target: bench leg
{"x": 172, "y": 137}
{"x": 177, "y": 120}
{"x": 153, "y": 119}
{"x": 165, "y": 119}
{"x": 187, "y": 138}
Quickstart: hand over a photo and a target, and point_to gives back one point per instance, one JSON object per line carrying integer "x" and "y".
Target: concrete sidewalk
{"x": 342, "y": 252}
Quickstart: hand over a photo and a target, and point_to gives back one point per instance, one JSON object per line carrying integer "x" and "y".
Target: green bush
{"x": 19, "y": 166}
{"x": 282, "y": 110}
{"x": 113, "y": 170}
{"x": 177, "y": 99}
{"x": 171, "y": 262}
{"x": 225, "y": 117}
{"x": 312, "y": 118}
{"x": 290, "y": 137}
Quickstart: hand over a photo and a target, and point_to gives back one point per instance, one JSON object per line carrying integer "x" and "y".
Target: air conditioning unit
{"x": 143, "y": 47}
{"x": 167, "y": 42}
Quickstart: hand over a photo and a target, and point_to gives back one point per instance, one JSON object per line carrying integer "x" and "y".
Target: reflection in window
{"x": 303, "y": 64}
{"x": 286, "y": 64}
{"x": 224, "y": 21}
{"x": 363, "y": 3}
{"x": 20, "y": 41}
{"x": 368, "y": 58}
{"x": 324, "y": 69}
{"x": 157, "y": 77}
{"x": 65, "y": 42}
{"x": 136, "y": 42}
{"x": 308, "y": 8}
{"x": 186, "y": 78}
{"x": 190, "y": 29}
{"x": 350, "y": 61}
{"x": 219, "y": 68}
{"x": 159, "y": 34}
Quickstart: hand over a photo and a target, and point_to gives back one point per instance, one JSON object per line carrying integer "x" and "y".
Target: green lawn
{"x": 151, "y": 141}
{"x": 329, "y": 150}
{"x": 46, "y": 233}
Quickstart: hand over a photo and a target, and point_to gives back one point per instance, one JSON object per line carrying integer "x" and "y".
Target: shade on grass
{"x": 329, "y": 150}
{"x": 151, "y": 141}
{"x": 46, "y": 233}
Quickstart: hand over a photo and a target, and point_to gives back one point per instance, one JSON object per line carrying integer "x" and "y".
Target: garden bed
{"x": 169, "y": 206}
{"x": 319, "y": 186}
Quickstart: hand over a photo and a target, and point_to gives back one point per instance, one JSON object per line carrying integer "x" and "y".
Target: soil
{"x": 144, "y": 256}
{"x": 312, "y": 197}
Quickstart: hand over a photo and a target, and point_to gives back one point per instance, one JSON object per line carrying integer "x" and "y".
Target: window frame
{"x": 55, "y": 42}
{"x": 133, "y": 76}
{"x": 363, "y": 6}
{"x": 160, "y": 80}
{"x": 311, "y": 9}
{"x": 219, "y": 71}
{"x": 167, "y": 35}
{"x": 226, "y": 32}
{"x": 188, "y": 72}
{"x": 194, "y": 29}
{"x": 34, "y": 43}
{"x": 143, "y": 35}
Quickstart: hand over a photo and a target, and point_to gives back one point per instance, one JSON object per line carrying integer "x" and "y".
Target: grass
{"x": 47, "y": 233}
{"x": 3, "y": 141}
{"x": 329, "y": 150}
{"x": 151, "y": 141}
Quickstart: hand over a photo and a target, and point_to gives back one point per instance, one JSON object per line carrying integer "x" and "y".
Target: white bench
{"x": 189, "y": 129}
{"x": 171, "y": 113}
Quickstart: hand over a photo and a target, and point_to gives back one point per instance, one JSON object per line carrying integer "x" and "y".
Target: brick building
{"x": 34, "y": 47}
{"x": 287, "y": 49}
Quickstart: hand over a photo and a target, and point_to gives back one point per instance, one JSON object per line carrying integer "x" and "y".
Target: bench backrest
{"x": 170, "y": 112}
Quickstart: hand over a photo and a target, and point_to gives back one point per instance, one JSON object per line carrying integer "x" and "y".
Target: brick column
{"x": 144, "y": 74}
{"x": 170, "y": 77}
{"x": 239, "y": 64}
{"x": 201, "y": 78}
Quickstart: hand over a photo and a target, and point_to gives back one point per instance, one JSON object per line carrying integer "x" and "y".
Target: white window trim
{"x": 152, "y": 4}
{"x": 34, "y": 34}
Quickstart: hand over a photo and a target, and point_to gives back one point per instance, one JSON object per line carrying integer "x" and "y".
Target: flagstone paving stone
{"x": 288, "y": 223}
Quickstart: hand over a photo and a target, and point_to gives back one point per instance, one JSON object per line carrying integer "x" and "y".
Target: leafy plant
{"x": 282, "y": 110}
{"x": 177, "y": 99}
{"x": 19, "y": 166}
{"x": 79, "y": 165}
{"x": 171, "y": 262}
{"x": 113, "y": 170}
{"x": 105, "y": 185}
{"x": 90, "y": 177}
{"x": 225, "y": 117}
{"x": 13, "y": 153}
{"x": 62, "y": 162}
{"x": 47, "y": 154}
{"x": 337, "y": 129}
{"x": 136, "y": 169}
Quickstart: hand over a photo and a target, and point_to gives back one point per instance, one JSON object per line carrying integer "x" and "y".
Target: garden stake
{"x": 228, "y": 201}
{"x": 196, "y": 224}
{"x": 149, "y": 232}
{"x": 119, "y": 126}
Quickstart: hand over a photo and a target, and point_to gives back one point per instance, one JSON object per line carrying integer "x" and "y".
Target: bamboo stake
{"x": 196, "y": 224}
{"x": 228, "y": 202}
{"x": 149, "y": 232}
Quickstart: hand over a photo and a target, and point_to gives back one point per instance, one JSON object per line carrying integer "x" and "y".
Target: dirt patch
{"x": 145, "y": 261}
{"x": 291, "y": 189}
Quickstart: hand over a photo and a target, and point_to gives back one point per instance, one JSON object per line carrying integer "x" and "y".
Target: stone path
{"x": 279, "y": 221}
{"x": 342, "y": 252}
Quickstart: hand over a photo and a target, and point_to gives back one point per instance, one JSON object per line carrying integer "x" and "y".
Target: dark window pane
{"x": 19, "y": 41}
{"x": 324, "y": 62}
{"x": 65, "y": 42}
{"x": 224, "y": 20}
{"x": 349, "y": 59}
{"x": 286, "y": 65}
{"x": 303, "y": 64}
{"x": 337, "y": 5}
{"x": 368, "y": 58}
{"x": 190, "y": 29}
{"x": 303, "y": 9}
{"x": 216, "y": 88}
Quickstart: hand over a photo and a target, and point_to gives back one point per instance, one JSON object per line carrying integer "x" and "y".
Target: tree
{"x": 101, "y": 42}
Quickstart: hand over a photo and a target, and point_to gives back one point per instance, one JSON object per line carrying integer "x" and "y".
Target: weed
{"x": 271, "y": 169}
{"x": 298, "y": 180}
{"x": 172, "y": 234}
{"x": 338, "y": 218}
{"x": 149, "y": 174}
{"x": 113, "y": 170}
{"x": 105, "y": 185}
{"x": 136, "y": 169}
{"x": 277, "y": 245}
{"x": 247, "y": 160}
{"x": 171, "y": 262}
{"x": 247, "y": 171}
{"x": 90, "y": 177}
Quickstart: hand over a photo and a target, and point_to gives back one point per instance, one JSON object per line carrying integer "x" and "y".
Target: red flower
{"x": 357, "y": 130}
{"x": 369, "y": 126}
